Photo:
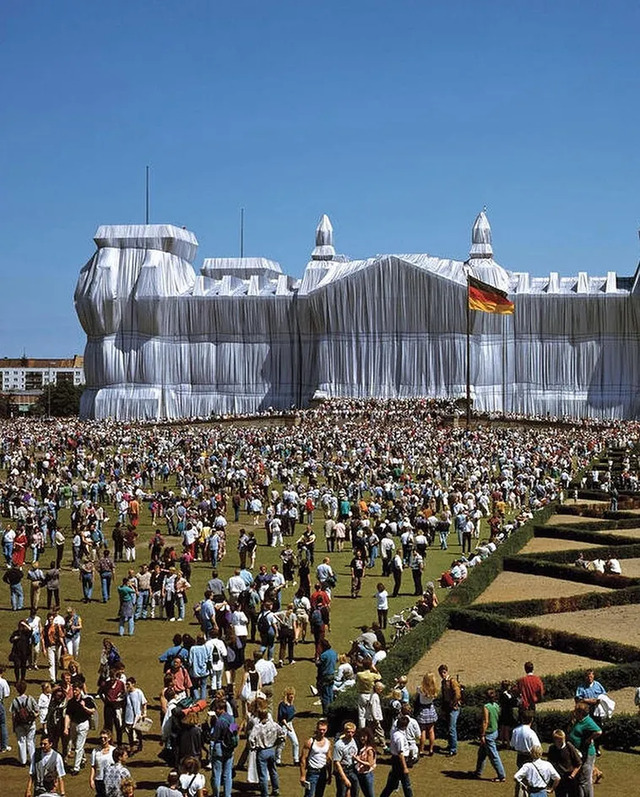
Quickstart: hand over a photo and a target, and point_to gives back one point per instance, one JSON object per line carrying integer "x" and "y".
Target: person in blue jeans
{"x": 4, "y": 731}
{"x": 222, "y": 741}
{"x": 265, "y": 737}
{"x": 86, "y": 577}
{"x": 399, "y": 772}
{"x": 451, "y": 699}
{"x": 13, "y": 577}
{"x": 315, "y": 762}
{"x": 488, "y": 738}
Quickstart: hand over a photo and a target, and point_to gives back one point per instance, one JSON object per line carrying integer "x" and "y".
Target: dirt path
{"x": 482, "y": 659}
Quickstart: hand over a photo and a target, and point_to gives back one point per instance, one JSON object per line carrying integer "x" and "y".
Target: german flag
{"x": 488, "y": 299}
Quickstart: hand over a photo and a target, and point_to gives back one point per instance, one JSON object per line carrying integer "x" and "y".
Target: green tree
{"x": 61, "y": 400}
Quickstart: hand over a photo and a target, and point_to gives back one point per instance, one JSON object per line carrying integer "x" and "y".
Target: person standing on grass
{"x": 45, "y": 761}
{"x": 530, "y": 688}
{"x": 265, "y": 737}
{"x": 135, "y": 709}
{"x": 222, "y": 742}
{"x": 590, "y": 692}
{"x": 537, "y": 777}
{"x": 344, "y": 752}
{"x": 583, "y": 734}
{"x": 567, "y": 762}
{"x": 80, "y": 708}
{"x": 357, "y": 567}
{"x": 399, "y": 772}
{"x": 5, "y": 692}
{"x": 365, "y": 681}
{"x": 24, "y": 712}
{"x": 365, "y": 761}
{"x": 451, "y": 701}
{"x": 52, "y": 583}
{"x": 286, "y": 713}
{"x": 127, "y": 596}
{"x": 315, "y": 762}
{"x": 101, "y": 758}
{"x": 489, "y": 737}
{"x": 382, "y": 604}
{"x": 424, "y": 711}
{"x": 396, "y": 571}
{"x": 326, "y": 672}
{"x": 523, "y": 740}
{"x": 115, "y": 774}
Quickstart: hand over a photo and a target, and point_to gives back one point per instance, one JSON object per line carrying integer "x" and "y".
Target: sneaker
{"x": 317, "y": 702}
{"x": 6, "y": 749}
{"x": 180, "y": 619}
{"x": 172, "y": 619}
{"x": 313, "y": 690}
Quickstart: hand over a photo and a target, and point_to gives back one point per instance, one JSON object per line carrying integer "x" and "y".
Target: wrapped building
{"x": 241, "y": 336}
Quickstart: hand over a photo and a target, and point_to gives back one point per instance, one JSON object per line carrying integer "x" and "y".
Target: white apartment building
{"x": 26, "y": 374}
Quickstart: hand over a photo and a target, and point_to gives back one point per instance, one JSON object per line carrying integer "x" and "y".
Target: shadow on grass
{"x": 457, "y": 774}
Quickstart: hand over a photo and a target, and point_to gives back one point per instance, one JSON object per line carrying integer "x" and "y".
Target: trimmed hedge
{"x": 621, "y": 552}
{"x": 572, "y": 603}
{"x": 590, "y": 525}
{"x": 540, "y": 567}
{"x": 476, "y": 622}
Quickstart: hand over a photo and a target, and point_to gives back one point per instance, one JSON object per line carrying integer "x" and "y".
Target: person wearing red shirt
{"x": 530, "y": 688}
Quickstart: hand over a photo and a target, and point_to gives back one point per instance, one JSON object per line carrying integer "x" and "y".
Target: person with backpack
{"x": 24, "y": 712}
{"x": 223, "y": 740}
{"x": 191, "y": 782}
{"x": 267, "y": 626}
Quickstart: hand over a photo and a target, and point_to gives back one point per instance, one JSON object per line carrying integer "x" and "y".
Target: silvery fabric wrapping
{"x": 165, "y": 343}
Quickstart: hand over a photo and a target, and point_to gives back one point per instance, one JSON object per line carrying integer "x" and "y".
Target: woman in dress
{"x": 425, "y": 711}
{"x": 19, "y": 547}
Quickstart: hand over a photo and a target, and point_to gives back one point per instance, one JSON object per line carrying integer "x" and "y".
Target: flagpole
{"x": 468, "y": 357}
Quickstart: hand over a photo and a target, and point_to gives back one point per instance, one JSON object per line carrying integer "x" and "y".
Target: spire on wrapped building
{"x": 481, "y": 237}
{"x": 324, "y": 249}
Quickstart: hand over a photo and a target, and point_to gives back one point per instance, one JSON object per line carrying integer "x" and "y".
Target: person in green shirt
{"x": 582, "y": 735}
{"x": 489, "y": 737}
{"x": 128, "y": 596}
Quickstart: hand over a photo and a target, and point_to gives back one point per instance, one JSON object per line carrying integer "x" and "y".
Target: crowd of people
{"x": 386, "y": 483}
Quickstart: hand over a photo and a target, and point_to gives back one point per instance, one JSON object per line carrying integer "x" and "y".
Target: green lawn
{"x": 445, "y": 776}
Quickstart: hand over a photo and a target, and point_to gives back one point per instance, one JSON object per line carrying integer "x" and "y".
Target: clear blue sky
{"x": 400, "y": 119}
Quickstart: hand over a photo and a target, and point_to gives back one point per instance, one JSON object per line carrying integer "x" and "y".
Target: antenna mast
{"x": 146, "y": 215}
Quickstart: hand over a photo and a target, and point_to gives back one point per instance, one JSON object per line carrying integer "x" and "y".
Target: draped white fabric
{"x": 159, "y": 346}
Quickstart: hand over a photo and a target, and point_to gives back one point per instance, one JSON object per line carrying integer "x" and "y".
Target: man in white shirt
{"x": 218, "y": 651}
{"x": 399, "y": 772}
{"x": 265, "y": 668}
{"x": 5, "y": 692}
{"x": 235, "y": 585}
{"x": 524, "y": 738}
{"x": 45, "y": 761}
